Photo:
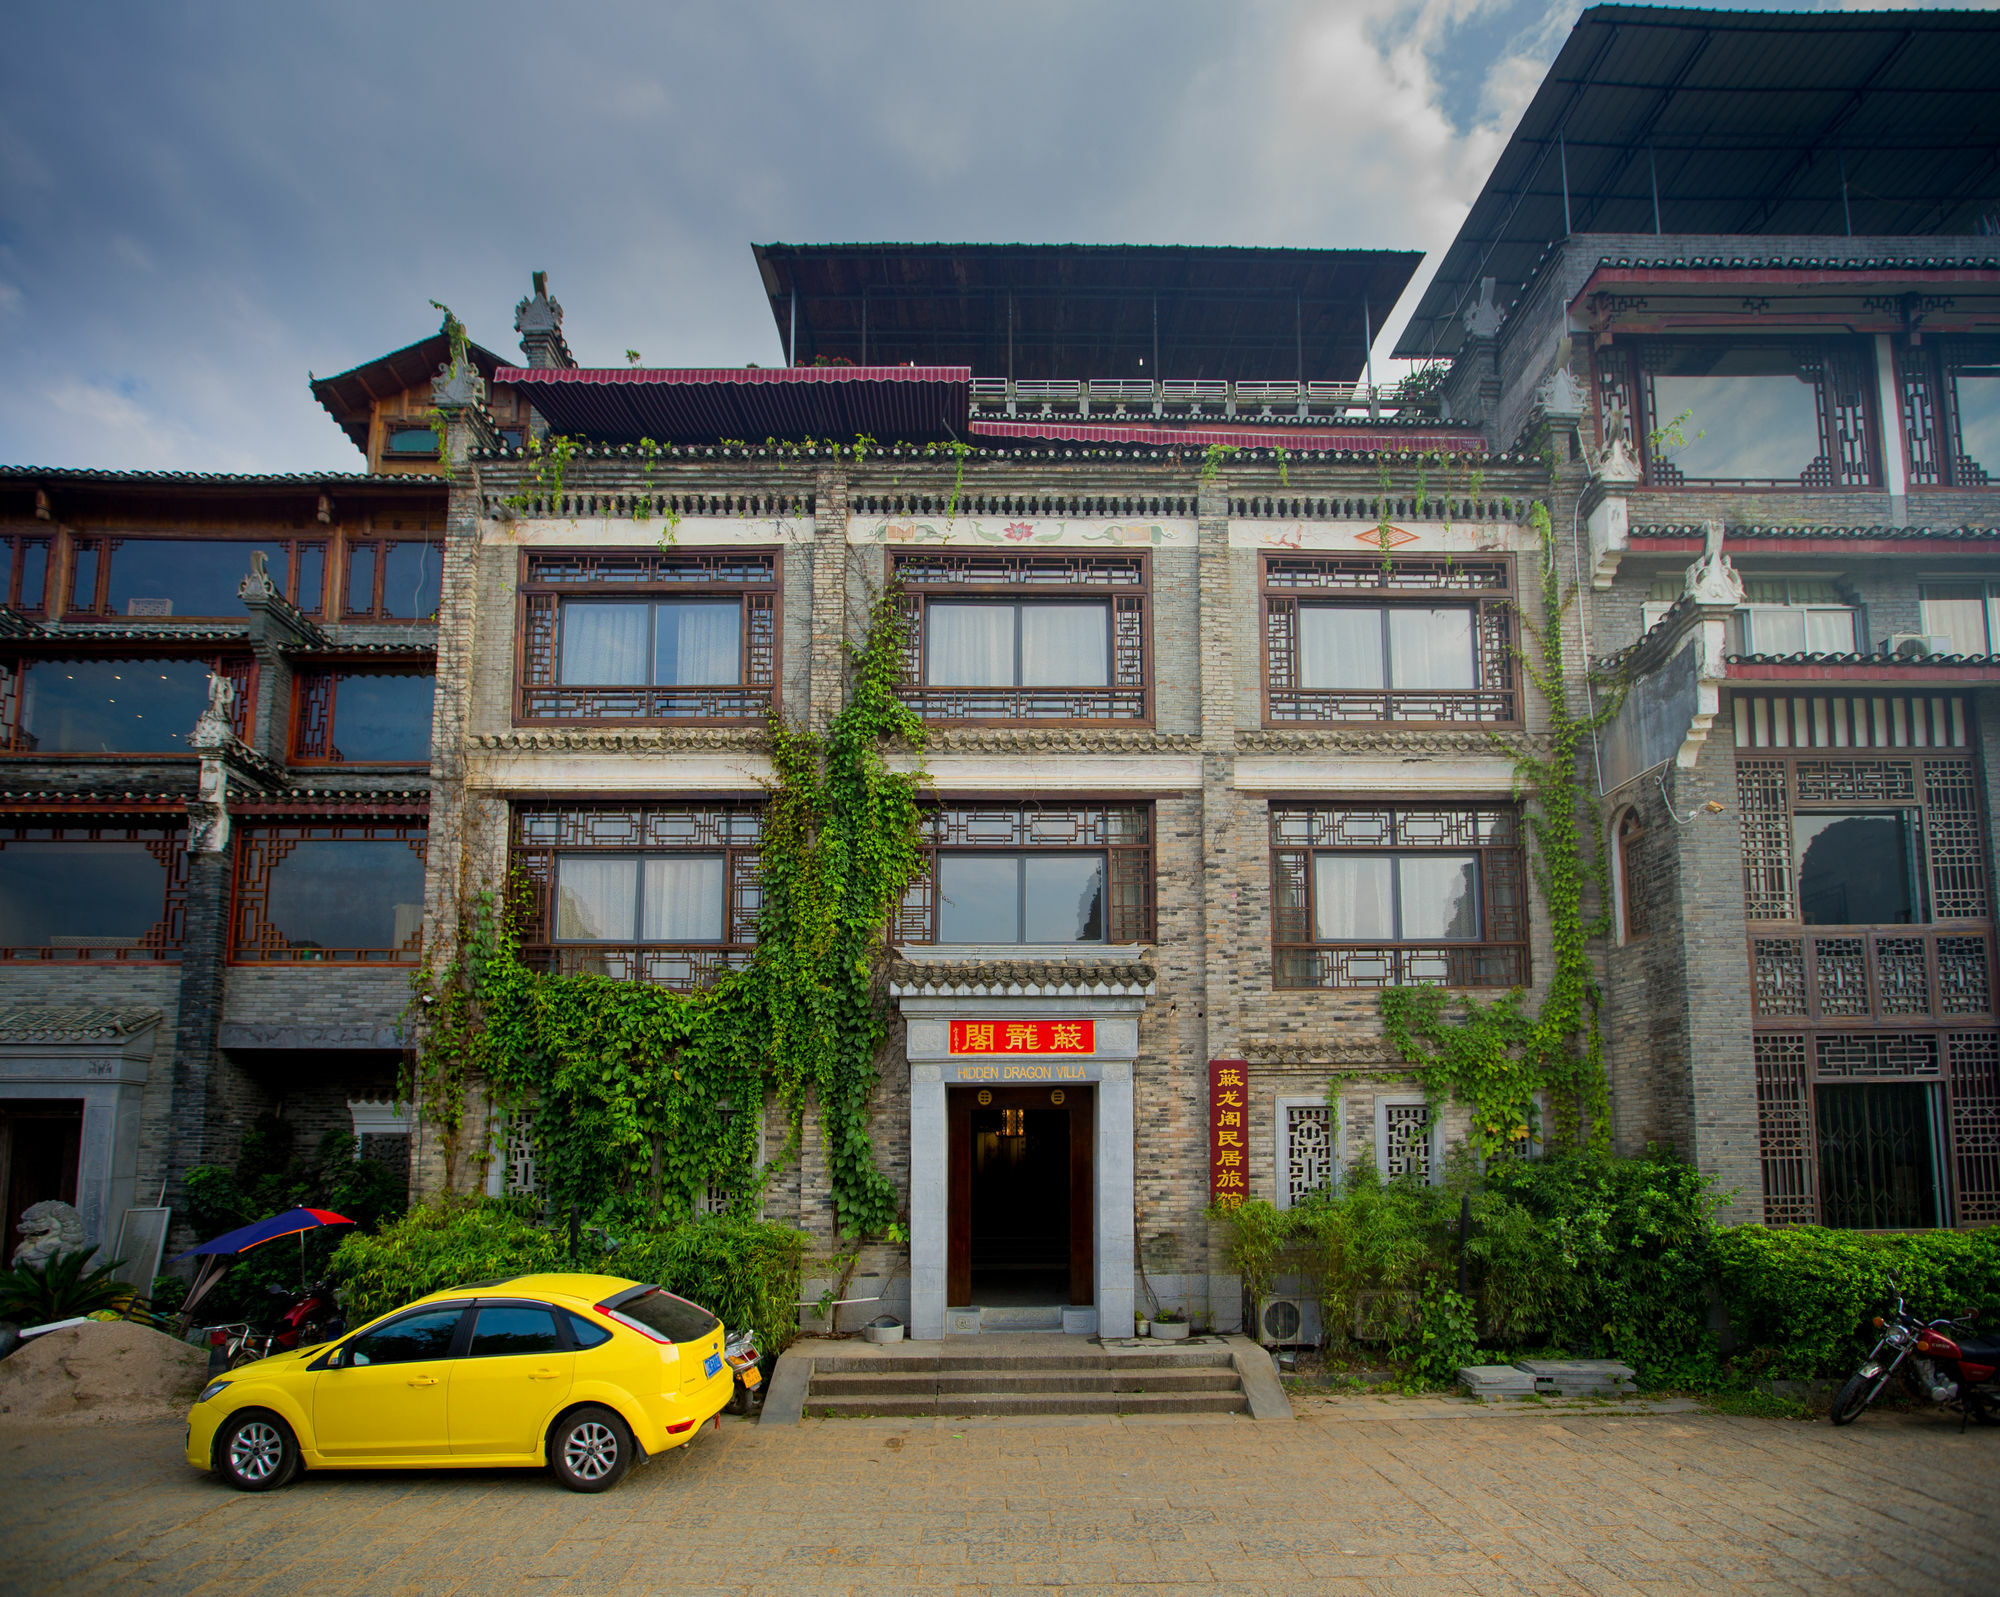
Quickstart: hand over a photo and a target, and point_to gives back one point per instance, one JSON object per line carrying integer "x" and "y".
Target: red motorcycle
{"x": 300, "y": 1319}
{"x": 1938, "y": 1361}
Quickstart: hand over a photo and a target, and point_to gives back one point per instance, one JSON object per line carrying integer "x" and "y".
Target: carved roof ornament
{"x": 256, "y": 585}
{"x": 1619, "y": 463}
{"x": 1483, "y": 319}
{"x": 1561, "y": 397}
{"x": 539, "y": 321}
{"x": 458, "y": 387}
{"x": 1712, "y": 580}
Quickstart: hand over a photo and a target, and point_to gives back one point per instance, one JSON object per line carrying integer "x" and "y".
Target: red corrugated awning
{"x": 752, "y": 403}
{"x": 1366, "y": 439}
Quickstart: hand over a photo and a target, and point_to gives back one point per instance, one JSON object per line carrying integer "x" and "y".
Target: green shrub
{"x": 61, "y": 1289}
{"x": 445, "y": 1243}
{"x": 1799, "y": 1297}
{"x": 1447, "y": 1335}
{"x": 745, "y": 1271}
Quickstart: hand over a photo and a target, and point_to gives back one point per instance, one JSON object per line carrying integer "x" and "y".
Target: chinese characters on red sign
{"x": 1024, "y": 1037}
{"x": 1228, "y": 1129}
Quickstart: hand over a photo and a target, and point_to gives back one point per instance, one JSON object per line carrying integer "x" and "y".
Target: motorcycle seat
{"x": 1979, "y": 1350}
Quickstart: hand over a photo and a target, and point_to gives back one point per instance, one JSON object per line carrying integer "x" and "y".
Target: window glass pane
{"x": 1957, "y": 611}
{"x": 311, "y": 592}
{"x": 1351, "y": 898}
{"x": 1065, "y": 894}
{"x": 1340, "y": 646}
{"x": 674, "y": 1318}
{"x": 505, "y": 1328}
{"x": 1978, "y": 392}
{"x": 79, "y": 895}
{"x": 1776, "y": 629}
{"x": 588, "y": 1333}
{"x": 34, "y": 572}
{"x": 698, "y": 643}
{"x": 1854, "y": 870}
{"x": 1745, "y": 414}
{"x": 112, "y": 706}
{"x": 603, "y": 644}
{"x": 83, "y": 577}
{"x": 1430, "y": 648}
{"x": 360, "y": 578}
{"x": 347, "y": 893}
{"x": 412, "y": 580}
{"x": 1830, "y": 631}
{"x": 405, "y": 1341}
{"x": 970, "y": 645}
{"x": 979, "y": 898}
{"x": 382, "y": 718}
{"x": 1439, "y": 896}
{"x": 412, "y": 441}
{"x": 683, "y": 902}
{"x": 1065, "y": 645}
{"x": 184, "y": 576}
{"x": 597, "y": 899}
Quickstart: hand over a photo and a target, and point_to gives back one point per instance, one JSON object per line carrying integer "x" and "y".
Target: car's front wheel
{"x": 590, "y": 1450}
{"x": 255, "y": 1451}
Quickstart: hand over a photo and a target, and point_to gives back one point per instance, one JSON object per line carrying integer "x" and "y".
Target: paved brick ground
{"x": 1358, "y": 1496}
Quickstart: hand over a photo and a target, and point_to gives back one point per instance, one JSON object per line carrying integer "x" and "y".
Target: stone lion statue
{"x": 49, "y": 1230}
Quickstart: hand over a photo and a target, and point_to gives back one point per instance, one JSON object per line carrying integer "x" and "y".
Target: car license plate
{"x": 711, "y": 1364}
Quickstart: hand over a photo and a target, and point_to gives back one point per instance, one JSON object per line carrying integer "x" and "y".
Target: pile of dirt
{"x": 109, "y": 1372}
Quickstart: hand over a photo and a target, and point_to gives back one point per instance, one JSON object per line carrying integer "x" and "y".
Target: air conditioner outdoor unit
{"x": 1916, "y": 645}
{"x": 1287, "y": 1320}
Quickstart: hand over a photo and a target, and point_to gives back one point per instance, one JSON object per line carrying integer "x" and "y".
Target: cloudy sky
{"x": 201, "y": 203}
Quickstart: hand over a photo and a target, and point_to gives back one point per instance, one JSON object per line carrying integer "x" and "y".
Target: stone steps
{"x": 970, "y": 1404}
{"x": 1023, "y": 1377}
{"x": 1021, "y": 1382}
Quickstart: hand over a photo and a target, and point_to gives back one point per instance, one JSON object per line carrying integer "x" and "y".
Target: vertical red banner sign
{"x": 1228, "y": 1129}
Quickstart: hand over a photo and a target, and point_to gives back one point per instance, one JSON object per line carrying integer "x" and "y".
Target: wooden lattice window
{"x": 153, "y": 577}
{"x": 1078, "y": 873}
{"x": 1951, "y": 411}
{"x": 347, "y": 891}
{"x": 366, "y": 716}
{"x": 648, "y": 635}
{"x": 999, "y": 637}
{"x": 1428, "y": 640}
{"x": 24, "y": 572}
{"x": 393, "y": 579}
{"x": 67, "y": 705}
{"x": 1395, "y": 896}
{"x": 662, "y": 892}
{"x": 92, "y": 889}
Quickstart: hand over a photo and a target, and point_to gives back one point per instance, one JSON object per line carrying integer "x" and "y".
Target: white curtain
{"x": 1954, "y": 610}
{"x": 683, "y": 901}
{"x": 1352, "y": 898}
{"x": 1065, "y": 645}
{"x": 970, "y": 646}
{"x": 1440, "y": 897}
{"x": 596, "y": 899}
{"x": 1430, "y": 649}
{"x": 604, "y": 644}
{"x": 700, "y": 644}
{"x": 1340, "y": 647}
{"x": 1830, "y": 631}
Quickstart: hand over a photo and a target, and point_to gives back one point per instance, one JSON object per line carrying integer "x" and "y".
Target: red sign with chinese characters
{"x": 1228, "y": 1129}
{"x": 1023, "y": 1037}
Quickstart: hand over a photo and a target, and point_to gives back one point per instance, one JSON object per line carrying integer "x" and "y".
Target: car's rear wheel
{"x": 255, "y": 1451}
{"x": 590, "y": 1450}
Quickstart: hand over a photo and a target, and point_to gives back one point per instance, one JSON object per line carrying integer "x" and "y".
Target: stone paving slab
{"x": 1364, "y": 1496}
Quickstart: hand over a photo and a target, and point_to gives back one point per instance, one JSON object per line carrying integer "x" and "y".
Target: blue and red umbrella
{"x": 219, "y": 1253}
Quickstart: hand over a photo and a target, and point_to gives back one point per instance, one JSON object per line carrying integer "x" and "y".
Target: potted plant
{"x": 1170, "y": 1325}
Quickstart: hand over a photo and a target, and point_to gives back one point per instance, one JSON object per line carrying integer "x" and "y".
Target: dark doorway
{"x": 1877, "y": 1155}
{"x": 41, "y": 1141}
{"x": 1021, "y": 1195}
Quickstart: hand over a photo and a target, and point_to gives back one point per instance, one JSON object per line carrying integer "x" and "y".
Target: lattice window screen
{"x": 1406, "y": 1145}
{"x": 1767, "y": 839}
{"x": 1784, "y": 1129}
{"x": 1309, "y": 1152}
{"x": 517, "y": 1158}
{"x": 1975, "y": 1123}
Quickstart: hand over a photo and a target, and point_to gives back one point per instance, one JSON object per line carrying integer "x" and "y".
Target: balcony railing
{"x": 1864, "y": 974}
{"x": 1109, "y": 399}
{"x": 1401, "y": 965}
{"x": 684, "y": 966}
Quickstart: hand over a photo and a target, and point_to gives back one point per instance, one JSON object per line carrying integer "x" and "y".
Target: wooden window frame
{"x": 316, "y": 707}
{"x": 1303, "y": 828}
{"x": 166, "y": 840}
{"x": 754, "y": 576}
{"x": 1483, "y": 584}
{"x": 252, "y": 860}
{"x": 976, "y": 825}
{"x": 338, "y": 607}
{"x": 1628, "y": 839}
{"x": 240, "y": 670}
{"x": 1933, "y": 455}
{"x": 1123, "y": 582}
{"x": 13, "y": 561}
{"x": 542, "y": 829}
{"x": 1853, "y": 460}
{"x": 106, "y": 542}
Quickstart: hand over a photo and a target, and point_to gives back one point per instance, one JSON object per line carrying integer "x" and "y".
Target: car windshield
{"x": 674, "y": 1318}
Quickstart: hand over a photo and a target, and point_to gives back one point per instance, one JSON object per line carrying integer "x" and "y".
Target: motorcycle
{"x": 1937, "y": 1361}
{"x": 739, "y": 1352}
{"x": 299, "y": 1319}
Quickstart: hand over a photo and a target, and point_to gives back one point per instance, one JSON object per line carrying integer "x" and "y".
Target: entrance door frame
{"x": 1080, "y": 1119}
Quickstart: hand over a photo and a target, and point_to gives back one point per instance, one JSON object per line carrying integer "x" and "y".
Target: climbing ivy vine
{"x": 648, "y": 1098}
{"x": 1494, "y": 1057}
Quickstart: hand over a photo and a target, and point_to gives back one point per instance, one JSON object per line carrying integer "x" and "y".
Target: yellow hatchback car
{"x": 583, "y": 1373}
